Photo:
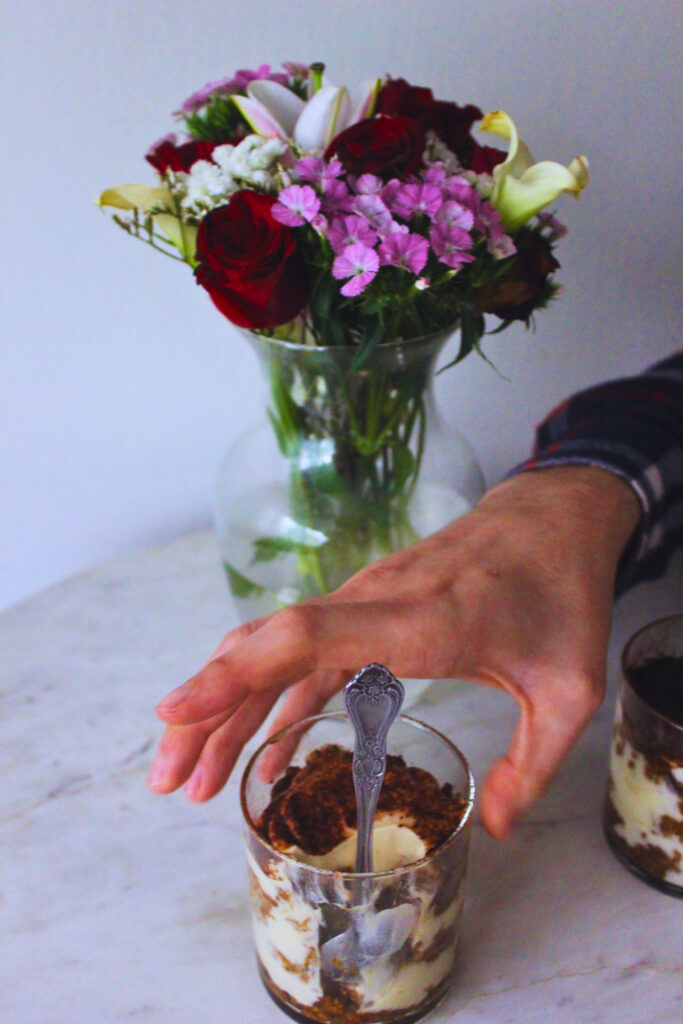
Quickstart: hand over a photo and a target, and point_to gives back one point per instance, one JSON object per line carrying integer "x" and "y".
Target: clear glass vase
{"x": 346, "y": 464}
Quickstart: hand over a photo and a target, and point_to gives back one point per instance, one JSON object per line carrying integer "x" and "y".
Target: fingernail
{"x": 157, "y": 775}
{"x": 175, "y": 698}
{"x": 194, "y": 783}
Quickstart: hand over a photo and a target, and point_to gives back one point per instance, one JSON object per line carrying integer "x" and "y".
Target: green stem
{"x": 134, "y": 231}
{"x": 317, "y": 70}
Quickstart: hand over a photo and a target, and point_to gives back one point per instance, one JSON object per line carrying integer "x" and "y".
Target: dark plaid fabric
{"x": 632, "y": 427}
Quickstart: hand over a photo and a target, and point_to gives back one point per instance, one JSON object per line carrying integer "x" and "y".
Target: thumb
{"x": 547, "y": 730}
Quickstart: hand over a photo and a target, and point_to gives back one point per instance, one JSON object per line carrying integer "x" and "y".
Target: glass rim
{"x": 384, "y": 346}
{"x": 630, "y": 643}
{"x": 349, "y": 875}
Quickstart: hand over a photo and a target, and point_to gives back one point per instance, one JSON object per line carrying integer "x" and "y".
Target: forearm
{"x": 633, "y": 429}
{"x": 578, "y": 506}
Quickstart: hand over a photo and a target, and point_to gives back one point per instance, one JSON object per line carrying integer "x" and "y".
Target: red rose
{"x": 451, "y": 123}
{"x": 387, "y": 146}
{"x": 250, "y": 264}
{"x": 516, "y": 294}
{"x": 485, "y": 158}
{"x": 166, "y": 156}
{"x": 399, "y": 99}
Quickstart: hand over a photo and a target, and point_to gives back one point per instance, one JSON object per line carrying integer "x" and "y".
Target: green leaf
{"x": 268, "y": 548}
{"x": 220, "y": 121}
{"x": 241, "y": 586}
{"x": 286, "y": 417}
{"x": 472, "y": 326}
{"x": 403, "y": 465}
{"x": 372, "y": 338}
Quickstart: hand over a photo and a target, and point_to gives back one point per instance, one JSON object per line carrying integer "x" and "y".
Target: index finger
{"x": 324, "y": 634}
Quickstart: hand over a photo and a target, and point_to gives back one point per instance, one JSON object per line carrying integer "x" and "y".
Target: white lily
{"x": 521, "y": 187}
{"x": 273, "y": 111}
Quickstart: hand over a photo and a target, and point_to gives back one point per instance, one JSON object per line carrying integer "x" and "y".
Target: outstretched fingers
{"x": 306, "y": 698}
{"x": 178, "y": 753}
{"x": 224, "y": 745}
{"x": 323, "y": 634}
{"x": 547, "y": 729}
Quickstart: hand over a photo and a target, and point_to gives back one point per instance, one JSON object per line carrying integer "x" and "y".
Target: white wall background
{"x": 121, "y": 386}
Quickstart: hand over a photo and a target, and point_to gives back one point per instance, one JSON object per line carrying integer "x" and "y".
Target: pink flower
{"x": 501, "y": 247}
{"x": 297, "y": 205}
{"x": 449, "y": 244}
{"x": 346, "y": 230}
{"x": 198, "y": 99}
{"x": 375, "y": 212}
{"x": 228, "y": 86}
{"x": 498, "y": 243}
{"x": 319, "y": 224}
{"x": 409, "y": 251}
{"x": 243, "y": 77}
{"x": 455, "y": 215}
{"x": 316, "y": 170}
{"x": 459, "y": 188}
{"x": 368, "y": 185}
{"x": 552, "y": 226}
{"x": 295, "y": 70}
{"x": 434, "y": 175}
{"x": 412, "y": 199}
{"x": 360, "y": 264}
{"x": 389, "y": 191}
{"x": 336, "y": 197}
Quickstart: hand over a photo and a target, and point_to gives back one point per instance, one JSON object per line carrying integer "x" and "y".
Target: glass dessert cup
{"x": 643, "y": 818}
{"x": 334, "y": 946}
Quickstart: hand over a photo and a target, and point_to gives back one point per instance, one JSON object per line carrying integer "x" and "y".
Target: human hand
{"x": 516, "y": 594}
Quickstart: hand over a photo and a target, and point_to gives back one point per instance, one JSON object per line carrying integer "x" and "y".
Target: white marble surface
{"x": 117, "y": 905}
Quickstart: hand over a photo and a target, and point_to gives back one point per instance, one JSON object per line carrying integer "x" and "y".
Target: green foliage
{"x": 403, "y": 467}
{"x": 285, "y": 417}
{"x": 268, "y": 548}
{"x": 241, "y": 586}
{"x": 219, "y": 121}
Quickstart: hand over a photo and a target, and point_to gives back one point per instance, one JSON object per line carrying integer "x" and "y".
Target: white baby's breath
{"x": 210, "y": 183}
{"x": 437, "y": 153}
{"x": 249, "y": 156}
{"x": 483, "y": 183}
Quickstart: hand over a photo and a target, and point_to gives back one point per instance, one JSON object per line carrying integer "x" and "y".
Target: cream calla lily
{"x": 144, "y": 199}
{"x": 135, "y": 197}
{"x": 183, "y": 236}
{"x": 273, "y": 111}
{"x": 521, "y": 187}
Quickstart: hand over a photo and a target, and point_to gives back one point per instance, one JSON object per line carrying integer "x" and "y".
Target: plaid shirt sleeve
{"x": 632, "y": 427}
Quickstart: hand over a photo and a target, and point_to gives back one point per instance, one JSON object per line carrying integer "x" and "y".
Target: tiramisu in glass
{"x": 644, "y": 806}
{"x": 334, "y": 946}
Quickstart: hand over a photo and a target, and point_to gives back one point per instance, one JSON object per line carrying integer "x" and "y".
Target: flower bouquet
{"x": 351, "y": 233}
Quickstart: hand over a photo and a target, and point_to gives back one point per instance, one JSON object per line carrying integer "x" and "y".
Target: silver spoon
{"x": 373, "y": 699}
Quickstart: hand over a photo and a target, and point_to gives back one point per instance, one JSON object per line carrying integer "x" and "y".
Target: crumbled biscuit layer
{"x": 314, "y": 806}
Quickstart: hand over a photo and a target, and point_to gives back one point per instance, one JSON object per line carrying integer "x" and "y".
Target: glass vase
{"x": 346, "y": 464}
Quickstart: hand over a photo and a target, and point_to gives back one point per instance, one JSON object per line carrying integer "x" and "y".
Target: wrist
{"x": 602, "y": 503}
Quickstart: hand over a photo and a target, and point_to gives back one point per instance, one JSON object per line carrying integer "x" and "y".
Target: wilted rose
{"x": 516, "y": 294}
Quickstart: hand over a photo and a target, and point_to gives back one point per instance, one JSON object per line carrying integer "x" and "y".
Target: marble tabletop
{"x": 119, "y": 905}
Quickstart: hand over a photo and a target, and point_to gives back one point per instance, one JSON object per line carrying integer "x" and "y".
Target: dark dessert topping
{"x": 314, "y": 806}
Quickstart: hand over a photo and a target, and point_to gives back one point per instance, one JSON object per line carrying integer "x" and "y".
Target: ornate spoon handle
{"x": 373, "y": 699}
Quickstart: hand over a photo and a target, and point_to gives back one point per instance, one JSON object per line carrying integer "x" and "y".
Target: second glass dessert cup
{"x": 335, "y": 946}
